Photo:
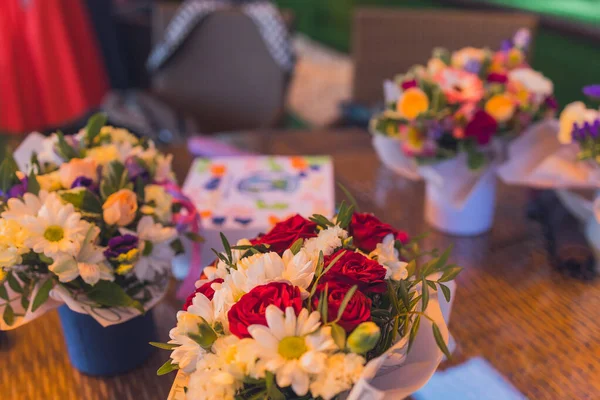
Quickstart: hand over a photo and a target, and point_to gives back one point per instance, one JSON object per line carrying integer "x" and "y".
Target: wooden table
{"x": 540, "y": 330}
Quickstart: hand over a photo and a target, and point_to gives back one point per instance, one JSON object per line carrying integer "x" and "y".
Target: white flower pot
{"x": 472, "y": 216}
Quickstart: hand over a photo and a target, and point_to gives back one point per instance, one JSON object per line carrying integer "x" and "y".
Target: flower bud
{"x": 364, "y": 337}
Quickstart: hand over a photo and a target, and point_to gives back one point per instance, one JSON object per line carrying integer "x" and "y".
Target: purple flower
{"x": 551, "y": 102}
{"x": 506, "y": 45}
{"x": 18, "y": 190}
{"x": 135, "y": 169}
{"x": 121, "y": 245}
{"x": 473, "y": 66}
{"x": 82, "y": 181}
{"x": 592, "y": 91}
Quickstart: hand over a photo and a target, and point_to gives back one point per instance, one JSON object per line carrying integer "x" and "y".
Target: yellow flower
{"x": 412, "y": 103}
{"x": 86, "y": 167}
{"x": 120, "y": 208}
{"x": 414, "y": 140}
{"x": 515, "y": 58}
{"x": 161, "y": 202}
{"x": 50, "y": 181}
{"x": 103, "y": 154}
{"x": 118, "y": 135}
{"x": 12, "y": 238}
{"x": 501, "y": 107}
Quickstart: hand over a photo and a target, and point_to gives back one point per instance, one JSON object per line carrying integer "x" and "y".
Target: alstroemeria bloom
{"x": 460, "y": 86}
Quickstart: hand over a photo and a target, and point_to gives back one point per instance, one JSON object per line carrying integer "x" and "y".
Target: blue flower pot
{"x": 113, "y": 350}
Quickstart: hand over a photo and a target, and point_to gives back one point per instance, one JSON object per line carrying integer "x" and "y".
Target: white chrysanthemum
{"x": 89, "y": 263}
{"x": 189, "y": 352}
{"x": 387, "y": 255}
{"x": 156, "y": 253}
{"x": 535, "y": 82}
{"x": 12, "y": 243}
{"x": 28, "y": 206}
{"x": 211, "y": 385}
{"x": 57, "y": 228}
{"x": 293, "y": 348}
{"x": 326, "y": 241}
{"x": 342, "y": 371}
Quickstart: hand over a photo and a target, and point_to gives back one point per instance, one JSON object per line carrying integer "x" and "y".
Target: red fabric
{"x": 51, "y": 70}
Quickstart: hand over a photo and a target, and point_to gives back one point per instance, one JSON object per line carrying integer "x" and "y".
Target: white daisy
{"x": 327, "y": 241}
{"x": 341, "y": 373}
{"x": 89, "y": 263}
{"x": 155, "y": 248}
{"x": 28, "y": 206}
{"x": 56, "y": 228}
{"x": 293, "y": 348}
{"x": 187, "y": 354}
{"x": 387, "y": 255}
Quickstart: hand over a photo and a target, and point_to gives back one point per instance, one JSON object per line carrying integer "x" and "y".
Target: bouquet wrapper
{"x": 537, "y": 159}
{"x": 458, "y": 201}
{"x": 396, "y": 374}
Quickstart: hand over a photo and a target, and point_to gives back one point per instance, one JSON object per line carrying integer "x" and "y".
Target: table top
{"x": 537, "y": 328}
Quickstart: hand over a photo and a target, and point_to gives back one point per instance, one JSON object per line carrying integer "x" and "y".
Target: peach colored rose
{"x": 120, "y": 208}
{"x": 76, "y": 168}
{"x": 459, "y": 86}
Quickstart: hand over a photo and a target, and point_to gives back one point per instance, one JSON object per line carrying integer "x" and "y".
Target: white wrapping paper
{"x": 392, "y": 376}
{"x": 458, "y": 200}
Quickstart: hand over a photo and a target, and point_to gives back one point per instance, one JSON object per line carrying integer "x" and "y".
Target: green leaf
{"x": 9, "y": 315}
{"x": 450, "y": 274}
{"x": 411, "y": 267}
{"x": 194, "y": 237}
{"x": 339, "y": 335}
{"x": 321, "y": 220}
{"x": 8, "y": 173}
{"x": 33, "y": 186}
{"x": 227, "y": 247}
{"x": 431, "y": 284}
{"x": 296, "y": 246}
{"x": 3, "y": 292}
{"x": 164, "y": 346}
{"x": 443, "y": 259}
{"x": 167, "y": 367}
{"x": 475, "y": 159}
{"x": 83, "y": 199}
{"x": 115, "y": 178}
{"x": 273, "y": 392}
{"x": 345, "y": 301}
{"x": 42, "y": 294}
{"x": 64, "y": 150}
{"x": 403, "y": 292}
{"x": 414, "y": 329}
{"x": 332, "y": 262}
{"x": 94, "y": 126}
{"x": 320, "y": 264}
{"x": 110, "y": 294}
{"x": 440, "y": 341}
{"x": 25, "y": 301}
{"x": 425, "y": 295}
{"x": 351, "y": 198}
{"x": 205, "y": 337}
{"x": 139, "y": 189}
{"x": 14, "y": 283}
{"x": 445, "y": 291}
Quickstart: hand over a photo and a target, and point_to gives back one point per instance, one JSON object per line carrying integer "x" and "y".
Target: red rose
{"x": 357, "y": 310}
{"x": 496, "y": 77}
{"x": 367, "y": 231}
{"x": 285, "y": 233}
{"x": 206, "y": 289}
{"x": 409, "y": 84}
{"x": 251, "y": 307}
{"x": 355, "y": 269}
{"x": 482, "y": 127}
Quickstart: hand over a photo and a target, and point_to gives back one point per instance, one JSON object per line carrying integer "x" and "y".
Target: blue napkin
{"x": 476, "y": 379}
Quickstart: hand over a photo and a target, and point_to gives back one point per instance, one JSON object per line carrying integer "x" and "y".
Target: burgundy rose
{"x": 285, "y": 233}
{"x": 251, "y": 307}
{"x": 367, "y": 231}
{"x": 357, "y": 310}
{"x": 482, "y": 127}
{"x": 496, "y": 77}
{"x": 551, "y": 102}
{"x": 206, "y": 289}
{"x": 409, "y": 84}
{"x": 355, "y": 269}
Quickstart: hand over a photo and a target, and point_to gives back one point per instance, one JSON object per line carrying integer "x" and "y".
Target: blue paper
{"x": 476, "y": 379}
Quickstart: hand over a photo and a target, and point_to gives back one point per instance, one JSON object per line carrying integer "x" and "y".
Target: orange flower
{"x": 412, "y": 103}
{"x": 501, "y": 107}
{"x": 120, "y": 208}
{"x": 460, "y": 86}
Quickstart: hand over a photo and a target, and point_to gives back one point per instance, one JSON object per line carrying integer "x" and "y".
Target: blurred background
{"x": 169, "y": 69}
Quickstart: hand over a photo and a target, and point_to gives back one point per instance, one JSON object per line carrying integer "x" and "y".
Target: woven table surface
{"x": 536, "y": 327}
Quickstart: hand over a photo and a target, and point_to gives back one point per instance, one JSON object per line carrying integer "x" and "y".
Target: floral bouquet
{"x": 93, "y": 222}
{"x": 442, "y": 122}
{"x": 313, "y": 309}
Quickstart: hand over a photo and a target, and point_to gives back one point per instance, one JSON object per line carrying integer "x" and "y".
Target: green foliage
{"x": 83, "y": 200}
{"x": 33, "y": 186}
{"x": 297, "y": 246}
{"x": 94, "y": 126}
{"x": 167, "y": 367}
{"x": 110, "y": 294}
{"x": 64, "y": 150}
{"x": 164, "y": 346}
{"x": 115, "y": 178}
{"x": 42, "y": 294}
{"x": 8, "y": 173}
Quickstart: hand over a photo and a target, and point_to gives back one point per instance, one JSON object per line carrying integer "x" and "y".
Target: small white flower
{"x": 56, "y": 228}
{"x": 387, "y": 255}
{"x": 48, "y": 153}
{"x": 12, "y": 243}
{"x": 189, "y": 352}
{"x": 156, "y": 253}
{"x": 293, "y": 348}
{"x": 535, "y": 83}
{"x": 89, "y": 263}
{"x": 340, "y": 374}
{"x": 327, "y": 241}
{"x": 28, "y": 206}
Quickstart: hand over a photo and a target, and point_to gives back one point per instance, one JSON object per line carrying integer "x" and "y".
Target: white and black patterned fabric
{"x": 192, "y": 12}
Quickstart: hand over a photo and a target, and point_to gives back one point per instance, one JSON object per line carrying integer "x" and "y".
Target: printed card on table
{"x": 245, "y": 196}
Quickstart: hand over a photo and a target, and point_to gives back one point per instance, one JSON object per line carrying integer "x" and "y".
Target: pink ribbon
{"x": 188, "y": 220}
